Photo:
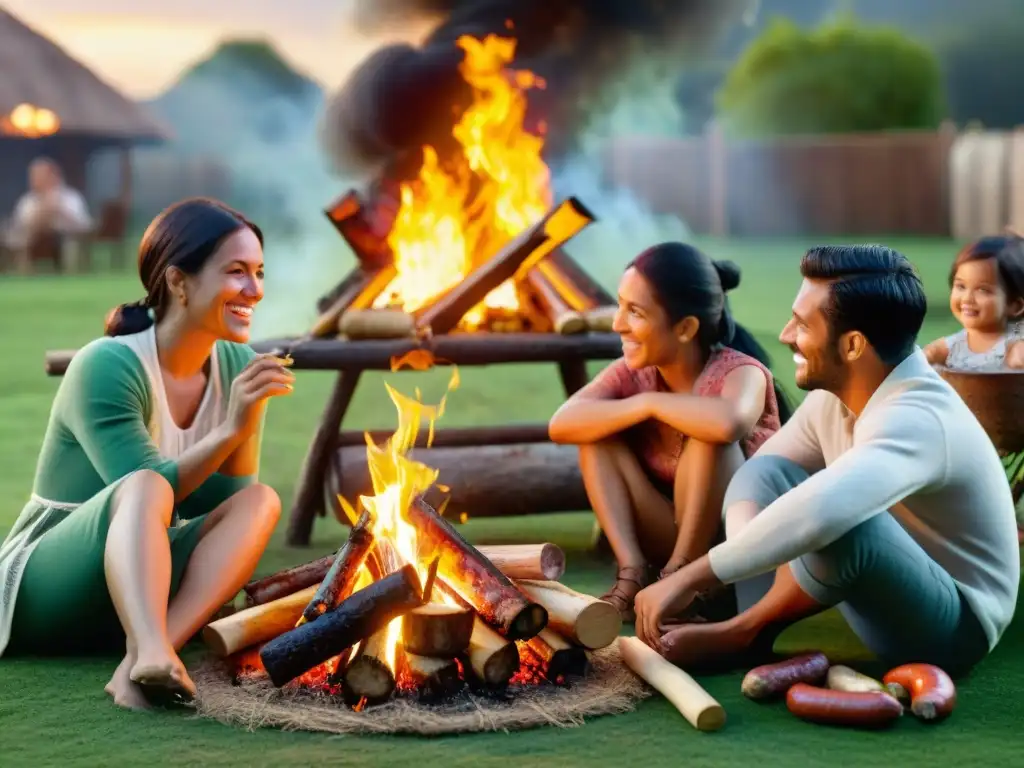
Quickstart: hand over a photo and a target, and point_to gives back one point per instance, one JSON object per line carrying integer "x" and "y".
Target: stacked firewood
{"x": 555, "y": 294}
{"x": 487, "y": 617}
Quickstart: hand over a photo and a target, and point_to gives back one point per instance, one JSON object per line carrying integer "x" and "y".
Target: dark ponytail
{"x": 688, "y": 283}
{"x": 184, "y": 235}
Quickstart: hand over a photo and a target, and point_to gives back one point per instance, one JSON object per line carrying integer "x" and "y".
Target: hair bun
{"x": 728, "y": 274}
{"x": 125, "y": 319}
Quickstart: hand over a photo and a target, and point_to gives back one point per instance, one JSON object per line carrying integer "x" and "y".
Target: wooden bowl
{"x": 996, "y": 398}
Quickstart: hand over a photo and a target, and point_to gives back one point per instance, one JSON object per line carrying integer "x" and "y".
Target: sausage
{"x": 865, "y": 709}
{"x": 774, "y": 679}
{"x": 932, "y": 693}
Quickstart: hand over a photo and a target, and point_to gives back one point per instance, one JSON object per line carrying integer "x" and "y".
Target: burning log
{"x": 564, "y": 319}
{"x": 339, "y": 581}
{"x": 365, "y": 234}
{"x": 490, "y": 592}
{"x": 434, "y": 679}
{"x": 357, "y": 617}
{"x": 437, "y": 630}
{"x": 581, "y": 281}
{"x": 517, "y": 257}
{"x": 368, "y": 678}
{"x": 376, "y": 324}
{"x": 485, "y": 480}
{"x": 586, "y": 620}
{"x": 257, "y": 624}
{"x": 287, "y": 582}
{"x": 542, "y": 562}
{"x": 552, "y": 270}
{"x": 559, "y": 658}
{"x": 600, "y": 319}
{"x": 493, "y": 660}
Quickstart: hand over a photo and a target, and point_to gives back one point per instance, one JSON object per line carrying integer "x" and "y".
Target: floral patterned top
{"x": 658, "y": 445}
{"x": 962, "y": 358}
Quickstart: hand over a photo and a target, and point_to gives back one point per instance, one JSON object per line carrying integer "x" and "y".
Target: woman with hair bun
{"x": 662, "y": 430}
{"x": 146, "y": 515}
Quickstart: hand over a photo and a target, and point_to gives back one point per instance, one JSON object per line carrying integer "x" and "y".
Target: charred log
{"x": 341, "y": 578}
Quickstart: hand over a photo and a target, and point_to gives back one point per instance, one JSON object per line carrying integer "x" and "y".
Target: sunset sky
{"x": 141, "y": 51}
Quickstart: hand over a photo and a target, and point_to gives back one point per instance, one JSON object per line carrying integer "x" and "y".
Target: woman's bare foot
{"x": 163, "y": 679}
{"x": 121, "y": 688}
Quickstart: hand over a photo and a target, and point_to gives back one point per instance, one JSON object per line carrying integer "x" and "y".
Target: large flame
{"x": 453, "y": 219}
{"x": 397, "y": 480}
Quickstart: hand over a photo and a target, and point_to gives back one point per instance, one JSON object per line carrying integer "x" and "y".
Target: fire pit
{"x": 409, "y": 627}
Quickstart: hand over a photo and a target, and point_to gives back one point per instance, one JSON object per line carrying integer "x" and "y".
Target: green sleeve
{"x": 104, "y": 401}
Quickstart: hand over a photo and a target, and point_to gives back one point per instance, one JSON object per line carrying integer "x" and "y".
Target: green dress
{"x": 109, "y": 419}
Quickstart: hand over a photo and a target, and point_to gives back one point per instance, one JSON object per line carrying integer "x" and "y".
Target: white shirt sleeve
{"x": 900, "y": 449}
{"x": 74, "y": 211}
{"x": 797, "y": 439}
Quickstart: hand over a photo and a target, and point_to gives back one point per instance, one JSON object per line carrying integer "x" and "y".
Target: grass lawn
{"x": 55, "y": 712}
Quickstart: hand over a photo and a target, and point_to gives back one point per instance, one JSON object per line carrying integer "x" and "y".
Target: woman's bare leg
{"x": 702, "y": 478}
{"x": 233, "y": 540}
{"x": 137, "y": 563}
{"x": 635, "y": 517}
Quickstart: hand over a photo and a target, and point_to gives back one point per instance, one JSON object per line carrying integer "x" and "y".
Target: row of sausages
{"x": 848, "y": 697}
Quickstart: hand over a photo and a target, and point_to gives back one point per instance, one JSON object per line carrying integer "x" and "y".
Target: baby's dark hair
{"x": 1007, "y": 250}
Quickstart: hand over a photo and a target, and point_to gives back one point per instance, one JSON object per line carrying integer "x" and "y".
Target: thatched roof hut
{"x": 90, "y": 115}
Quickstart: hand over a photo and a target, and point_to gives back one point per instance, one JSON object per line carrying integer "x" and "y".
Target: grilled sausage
{"x": 771, "y": 680}
{"x": 864, "y": 709}
{"x": 932, "y": 693}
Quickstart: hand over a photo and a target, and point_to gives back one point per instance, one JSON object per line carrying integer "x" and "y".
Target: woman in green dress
{"x": 145, "y": 514}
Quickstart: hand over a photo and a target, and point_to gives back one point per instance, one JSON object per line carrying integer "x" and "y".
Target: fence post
{"x": 718, "y": 174}
{"x": 1015, "y": 180}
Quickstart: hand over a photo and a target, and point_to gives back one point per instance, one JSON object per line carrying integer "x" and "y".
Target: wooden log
{"x": 339, "y": 581}
{"x": 600, "y": 319}
{"x": 490, "y": 592}
{"x": 564, "y": 319}
{"x": 356, "y": 618}
{"x": 575, "y": 297}
{"x": 376, "y": 324}
{"x": 685, "y": 693}
{"x": 580, "y": 278}
{"x": 559, "y": 658}
{"x": 437, "y": 630}
{"x": 583, "y": 619}
{"x": 518, "y": 257}
{"x": 432, "y": 679}
{"x": 542, "y": 562}
{"x": 287, "y": 582}
{"x": 257, "y": 624}
{"x": 354, "y": 221}
{"x": 455, "y": 437}
{"x": 367, "y": 678}
{"x": 492, "y": 659}
{"x": 484, "y": 481}
{"x": 464, "y": 349}
{"x": 362, "y": 289}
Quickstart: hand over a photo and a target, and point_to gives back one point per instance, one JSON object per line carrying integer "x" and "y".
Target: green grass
{"x": 54, "y": 711}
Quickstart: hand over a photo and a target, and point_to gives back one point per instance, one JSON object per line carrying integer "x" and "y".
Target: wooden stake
{"x": 564, "y": 319}
{"x": 256, "y": 624}
{"x": 341, "y": 578}
{"x": 685, "y": 693}
{"x": 544, "y": 562}
{"x": 586, "y": 620}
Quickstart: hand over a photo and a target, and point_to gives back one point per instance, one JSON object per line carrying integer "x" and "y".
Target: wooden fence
{"x": 870, "y": 184}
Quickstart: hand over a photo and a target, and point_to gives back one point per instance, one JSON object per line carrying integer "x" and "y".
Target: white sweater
{"x": 917, "y": 451}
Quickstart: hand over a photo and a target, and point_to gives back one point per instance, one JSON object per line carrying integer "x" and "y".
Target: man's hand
{"x": 667, "y": 598}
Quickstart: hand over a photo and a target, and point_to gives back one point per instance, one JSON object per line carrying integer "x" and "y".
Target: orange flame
{"x": 452, "y": 220}
{"x": 397, "y": 480}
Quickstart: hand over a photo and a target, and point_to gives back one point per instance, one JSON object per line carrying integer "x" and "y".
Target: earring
{"x": 183, "y": 299}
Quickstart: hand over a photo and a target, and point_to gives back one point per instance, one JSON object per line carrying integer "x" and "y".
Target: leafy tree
{"x": 841, "y": 77}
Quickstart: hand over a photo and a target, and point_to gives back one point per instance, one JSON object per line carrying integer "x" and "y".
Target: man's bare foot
{"x": 121, "y": 688}
{"x": 712, "y": 645}
{"x": 163, "y": 679}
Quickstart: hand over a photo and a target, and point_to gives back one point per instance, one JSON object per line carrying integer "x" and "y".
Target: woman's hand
{"x": 262, "y": 378}
{"x": 662, "y": 599}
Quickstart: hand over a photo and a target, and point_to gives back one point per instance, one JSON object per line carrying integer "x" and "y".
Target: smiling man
{"x": 882, "y": 495}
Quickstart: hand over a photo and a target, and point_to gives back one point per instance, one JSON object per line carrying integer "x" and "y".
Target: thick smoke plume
{"x": 404, "y": 96}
